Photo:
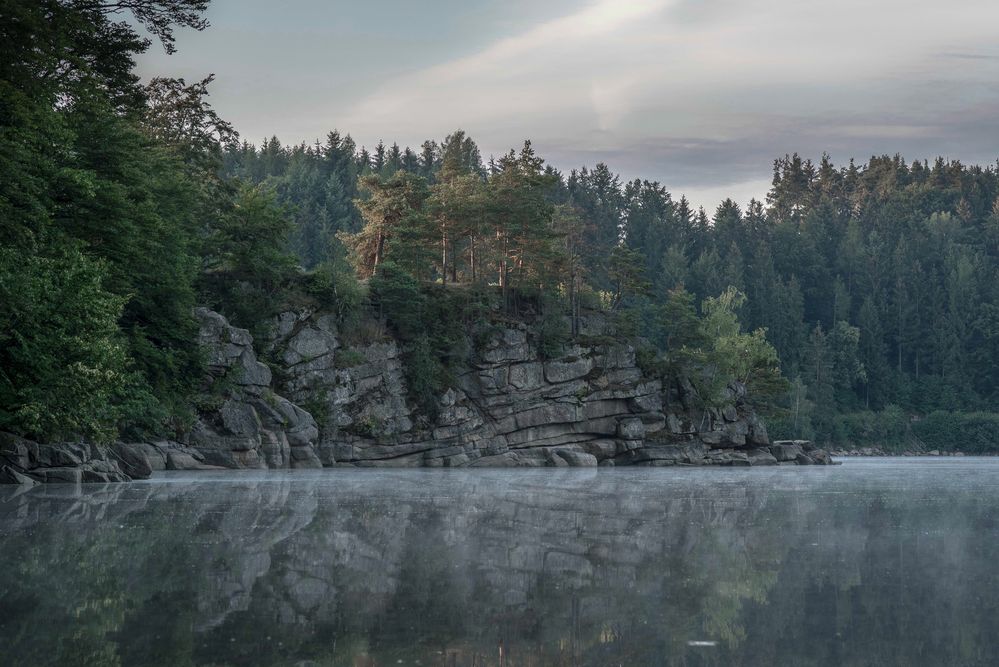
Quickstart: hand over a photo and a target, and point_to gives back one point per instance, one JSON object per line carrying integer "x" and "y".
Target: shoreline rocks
{"x": 509, "y": 407}
{"x": 27, "y": 463}
{"x": 877, "y": 451}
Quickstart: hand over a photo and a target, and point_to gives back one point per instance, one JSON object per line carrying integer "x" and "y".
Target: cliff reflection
{"x": 503, "y": 568}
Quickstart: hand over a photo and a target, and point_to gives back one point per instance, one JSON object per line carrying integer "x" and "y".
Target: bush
{"x": 888, "y": 429}
{"x": 397, "y": 297}
{"x": 553, "y": 334}
{"x": 649, "y": 361}
{"x": 430, "y": 321}
{"x": 426, "y": 377}
{"x": 336, "y": 288}
{"x": 972, "y": 432}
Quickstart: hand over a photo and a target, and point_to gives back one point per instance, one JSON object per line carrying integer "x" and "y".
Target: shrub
{"x": 336, "y": 288}
{"x": 552, "y": 334}
{"x": 426, "y": 377}
{"x": 972, "y": 432}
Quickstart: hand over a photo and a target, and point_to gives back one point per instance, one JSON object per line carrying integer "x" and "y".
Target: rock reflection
{"x": 847, "y": 566}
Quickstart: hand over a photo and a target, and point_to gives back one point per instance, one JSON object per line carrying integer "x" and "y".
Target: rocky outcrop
{"x": 509, "y": 406}
{"x": 28, "y": 463}
{"x": 245, "y": 424}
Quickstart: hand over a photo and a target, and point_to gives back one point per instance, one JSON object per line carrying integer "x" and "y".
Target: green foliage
{"x": 335, "y": 288}
{"x": 626, "y": 271}
{"x": 102, "y": 219}
{"x": 63, "y": 359}
{"x": 874, "y": 284}
{"x": 318, "y": 407}
{"x": 426, "y": 376}
{"x": 973, "y": 432}
{"x": 398, "y": 297}
{"x": 431, "y": 323}
{"x": 552, "y": 334}
{"x": 650, "y": 362}
{"x": 888, "y": 429}
{"x": 247, "y": 269}
{"x": 396, "y": 224}
{"x": 735, "y": 356}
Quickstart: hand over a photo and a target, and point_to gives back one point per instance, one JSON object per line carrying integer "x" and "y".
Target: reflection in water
{"x": 871, "y": 563}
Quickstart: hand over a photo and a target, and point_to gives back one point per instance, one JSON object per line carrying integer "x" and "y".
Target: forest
{"x": 860, "y": 301}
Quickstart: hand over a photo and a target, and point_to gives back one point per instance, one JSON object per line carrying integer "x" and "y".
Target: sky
{"x": 700, "y": 95}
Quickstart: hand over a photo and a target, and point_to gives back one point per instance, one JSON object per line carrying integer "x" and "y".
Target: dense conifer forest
{"x": 860, "y": 302}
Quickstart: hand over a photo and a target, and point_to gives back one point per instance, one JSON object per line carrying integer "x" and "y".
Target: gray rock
{"x": 10, "y": 475}
{"x": 590, "y": 405}
{"x": 15, "y": 450}
{"x": 254, "y": 426}
{"x": 631, "y": 428}
{"x": 761, "y": 457}
{"x": 788, "y": 452}
{"x": 132, "y": 460}
{"x": 60, "y": 475}
{"x": 577, "y": 459}
{"x": 305, "y": 457}
{"x": 181, "y": 460}
{"x": 564, "y": 371}
{"x": 821, "y": 457}
{"x": 526, "y": 376}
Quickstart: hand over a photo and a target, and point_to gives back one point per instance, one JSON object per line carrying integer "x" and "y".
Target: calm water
{"x": 875, "y": 562}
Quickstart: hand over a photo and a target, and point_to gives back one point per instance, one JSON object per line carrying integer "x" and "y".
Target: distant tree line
{"x": 876, "y": 283}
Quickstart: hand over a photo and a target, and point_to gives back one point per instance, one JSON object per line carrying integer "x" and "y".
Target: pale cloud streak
{"x": 513, "y": 76}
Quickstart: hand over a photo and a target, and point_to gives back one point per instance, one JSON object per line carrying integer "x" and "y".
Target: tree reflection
{"x": 500, "y": 568}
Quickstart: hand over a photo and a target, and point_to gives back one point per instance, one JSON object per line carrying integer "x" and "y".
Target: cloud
{"x": 969, "y": 56}
{"x": 699, "y": 94}
{"x": 531, "y": 74}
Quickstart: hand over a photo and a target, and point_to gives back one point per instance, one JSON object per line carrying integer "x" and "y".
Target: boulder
{"x": 785, "y": 452}
{"x": 578, "y": 459}
{"x": 821, "y": 457}
{"x": 132, "y": 460}
{"x": 16, "y": 451}
{"x": 9, "y": 475}
{"x": 761, "y": 457}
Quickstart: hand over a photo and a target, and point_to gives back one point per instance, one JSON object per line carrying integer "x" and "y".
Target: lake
{"x": 875, "y": 562}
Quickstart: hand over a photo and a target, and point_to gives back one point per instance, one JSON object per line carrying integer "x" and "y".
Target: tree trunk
{"x": 379, "y": 251}
{"x": 471, "y": 256}
{"x": 444, "y": 257}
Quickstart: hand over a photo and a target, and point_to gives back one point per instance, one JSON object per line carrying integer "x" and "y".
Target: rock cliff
{"x": 328, "y": 402}
{"x": 590, "y": 406}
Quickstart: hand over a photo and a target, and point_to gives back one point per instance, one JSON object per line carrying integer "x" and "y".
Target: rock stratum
{"x": 323, "y": 402}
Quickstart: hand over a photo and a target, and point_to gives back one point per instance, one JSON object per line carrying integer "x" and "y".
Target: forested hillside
{"x": 124, "y": 205}
{"x": 876, "y": 283}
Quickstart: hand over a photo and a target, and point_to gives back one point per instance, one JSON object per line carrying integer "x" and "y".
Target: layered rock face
{"x": 251, "y": 426}
{"x": 329, "y": 403}
{"x": 510, "y": 407}
{"x": 28, "y": 463}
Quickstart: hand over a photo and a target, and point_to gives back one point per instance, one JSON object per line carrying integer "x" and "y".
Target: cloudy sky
{"x": 698, "y": 94}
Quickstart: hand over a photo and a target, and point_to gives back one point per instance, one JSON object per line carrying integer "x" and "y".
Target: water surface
{"x": 875, "y": 562}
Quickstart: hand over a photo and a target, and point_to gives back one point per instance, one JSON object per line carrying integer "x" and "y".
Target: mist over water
{"x": 876, "y": 562}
